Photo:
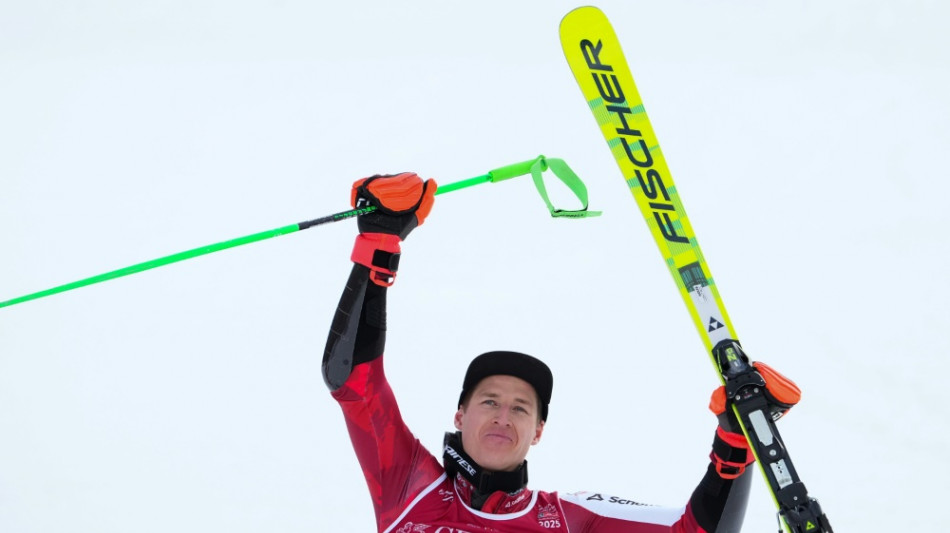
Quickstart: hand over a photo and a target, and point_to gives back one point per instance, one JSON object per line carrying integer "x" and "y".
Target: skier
{"x": 481, "y": 485}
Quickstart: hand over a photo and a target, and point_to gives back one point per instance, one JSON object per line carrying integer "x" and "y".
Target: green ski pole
{"x": 499, "y": 174}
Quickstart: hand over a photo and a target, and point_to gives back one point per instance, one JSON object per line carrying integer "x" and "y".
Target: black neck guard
{"x": 456, "y": 461}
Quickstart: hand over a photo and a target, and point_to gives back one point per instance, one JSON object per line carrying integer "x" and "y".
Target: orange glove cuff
{"x": 380, "y": 253}
{"x": 729, "y": 449}
{"x": 736, "y": 440}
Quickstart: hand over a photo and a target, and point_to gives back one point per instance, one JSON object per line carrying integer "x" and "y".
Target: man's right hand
{"x": 402, "y": 202}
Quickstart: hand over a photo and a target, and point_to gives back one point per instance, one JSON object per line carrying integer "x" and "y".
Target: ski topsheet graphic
{"x": 597, "y": 61}
{"x": 601, "y": 71}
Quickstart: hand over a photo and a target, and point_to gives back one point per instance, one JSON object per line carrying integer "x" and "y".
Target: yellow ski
{"x": 597, "y": 61}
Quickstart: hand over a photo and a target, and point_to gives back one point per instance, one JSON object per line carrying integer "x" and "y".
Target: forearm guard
{"x": 720, "y": 500}
{"x": 358, "y": 331}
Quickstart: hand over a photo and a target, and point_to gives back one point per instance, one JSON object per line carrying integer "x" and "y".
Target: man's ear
{"x": 537, "y": 432}
{"x": 458, "y": 418}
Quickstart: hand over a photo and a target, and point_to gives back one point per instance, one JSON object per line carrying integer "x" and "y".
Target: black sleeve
{"x": 719, "y": 504}
{"x": 358, "y": 330}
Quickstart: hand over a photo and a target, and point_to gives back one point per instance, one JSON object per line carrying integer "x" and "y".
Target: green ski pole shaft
{"x": 499, "y": 174}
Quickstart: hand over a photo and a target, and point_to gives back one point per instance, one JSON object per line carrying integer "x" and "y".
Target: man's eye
{"x": 489, "y": 402}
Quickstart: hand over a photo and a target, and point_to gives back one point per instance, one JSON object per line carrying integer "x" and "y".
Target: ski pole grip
{"x": 513, "y": 171}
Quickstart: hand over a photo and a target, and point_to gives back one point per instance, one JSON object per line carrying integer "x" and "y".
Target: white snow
{"x": 808, "y": 142}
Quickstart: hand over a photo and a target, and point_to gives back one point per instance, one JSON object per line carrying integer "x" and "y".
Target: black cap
{"x": 519, "y": 365}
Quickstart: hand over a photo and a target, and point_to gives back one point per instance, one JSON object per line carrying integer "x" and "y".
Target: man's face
{"x": 500, "y": 422}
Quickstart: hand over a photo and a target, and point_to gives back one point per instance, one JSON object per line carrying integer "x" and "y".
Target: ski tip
{"x": 580, "y": 11}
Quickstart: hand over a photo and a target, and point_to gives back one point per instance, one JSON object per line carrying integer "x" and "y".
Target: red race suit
{"x": 410, "y": 489}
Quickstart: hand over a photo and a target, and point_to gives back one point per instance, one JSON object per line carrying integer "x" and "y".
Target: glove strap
{"x": 730, "y": 454}
{"x": 380, "y": 253}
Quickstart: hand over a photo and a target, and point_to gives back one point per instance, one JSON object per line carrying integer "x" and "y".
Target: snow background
{"x": 807, "y": 140}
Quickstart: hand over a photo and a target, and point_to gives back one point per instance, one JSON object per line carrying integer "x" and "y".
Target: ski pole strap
{"x": 560, "y": 169}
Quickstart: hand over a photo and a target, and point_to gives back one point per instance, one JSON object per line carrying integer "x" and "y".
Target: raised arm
{"x": 394, "y": 463}
{"x": 719, "y": 501}
{"x": 358, "y": 332}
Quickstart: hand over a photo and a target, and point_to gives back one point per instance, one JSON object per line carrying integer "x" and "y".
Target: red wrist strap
{"x": 731, "y": 469}
{"x": 736, "y": 440}
{"x": 380, "y": 253}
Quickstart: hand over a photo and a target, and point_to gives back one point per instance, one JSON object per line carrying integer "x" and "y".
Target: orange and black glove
{"x": 731, "y": 453}
{"x": 402, "y": 202}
